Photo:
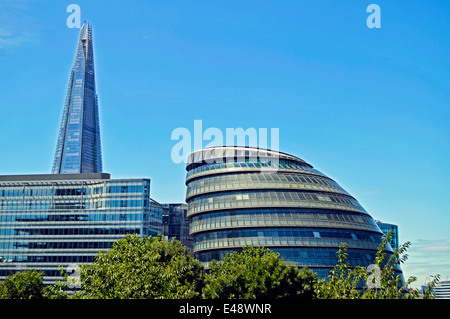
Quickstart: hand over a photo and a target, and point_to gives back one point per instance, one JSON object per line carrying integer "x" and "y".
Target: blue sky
{"x": 367, "y": 107}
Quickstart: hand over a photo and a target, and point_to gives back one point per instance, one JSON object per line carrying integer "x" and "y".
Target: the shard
{"x": 78, "y": 148}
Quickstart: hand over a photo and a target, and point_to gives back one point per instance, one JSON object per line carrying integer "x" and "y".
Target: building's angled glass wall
{"x": 78, "y": 147}
{"x": 386, "y": 228}
{"x": 175, "y": 224}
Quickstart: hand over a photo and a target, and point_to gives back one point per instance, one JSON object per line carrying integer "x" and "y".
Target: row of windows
{"x": 265, "y": 178}
{"x": 289, "y": 232}
{"x": 272, "y": 160}
{"x": 310, "y": 257}
{"x": 256, "y": 180}
{"x": 218, "y": 168}
{"x": 286, "y": 237}
{"x": 50, "y": 259}
{"x": 51, "y": 204}
{"x": 272, "y": 199}
{"x": 5, "y": 272}
{"x": 229, "y": 153}
{"x": 56, "y": 245}
{"x": 305, "y": 256}
{"x": 74, "y": 190}
{"x": 280, "y": 217}
{"x": 20, "y": 218}
{"x": 280, "y": 241}
{"x": 67, "y": 231}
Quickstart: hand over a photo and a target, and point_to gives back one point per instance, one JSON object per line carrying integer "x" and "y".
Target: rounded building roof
{"x": 220, "y": 154}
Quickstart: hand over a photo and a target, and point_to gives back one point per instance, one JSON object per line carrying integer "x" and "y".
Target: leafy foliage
{"x": 357, "y": 283}
{"x": 141, "y": 268}
{"x": 257, "y": 273}
{"x": 23, "y": 285}
{"x": 152, "y": 267}
{"x": 343, "y": 281}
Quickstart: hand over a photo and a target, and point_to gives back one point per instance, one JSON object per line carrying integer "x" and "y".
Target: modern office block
{"x": 53, "y": 220}
{"x": 175, "y": 223}
{"x": 240, "y": 196}
{"x": 386, "y": 228}
{"x": 78, "y": 147}
{"x": 442, "y": 290}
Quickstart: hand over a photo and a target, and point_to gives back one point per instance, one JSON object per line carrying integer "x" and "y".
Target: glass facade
{"x": 78, "y": 147}
{"x": 240, "y": 196}
{"x": 385, "y": 228}
{"x": 47, "y": 221}
{"x": 175, "y": 224}
{"x": 442, "y": 290}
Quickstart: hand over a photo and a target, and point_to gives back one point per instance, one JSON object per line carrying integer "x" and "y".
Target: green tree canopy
{"x": 23, "y": 285}
{"x": 152, "y": 267}
{"x": 383, "y": 282}
{"x": 140, "y": 268}
{"x": 257, "y": 272}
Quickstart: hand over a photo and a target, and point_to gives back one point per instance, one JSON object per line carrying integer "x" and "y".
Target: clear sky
{"x": 367, "y": 107}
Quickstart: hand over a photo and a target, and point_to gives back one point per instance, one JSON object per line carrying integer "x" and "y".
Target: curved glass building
{"x": 240, "y": 196}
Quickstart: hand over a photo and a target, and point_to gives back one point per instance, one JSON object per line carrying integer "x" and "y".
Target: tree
{"x": 342, "y": 281}
{"x": 23, "y": 285}
{"x": 254, "y": 273}
{"x": 390, "y": 284}
{"x": 147, "y": 267}
{"x": 358, "y": 283}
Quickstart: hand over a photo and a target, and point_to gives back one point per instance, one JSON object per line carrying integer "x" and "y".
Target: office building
{"x": 66, "y": 218}
{"x": 53, "y": 220}
{"x": 442, "y": 290}
{"x": 78, "y": 147}
{"x": 240, "y": 196}
{"x": 175, "y": 224}
{"x": 386, "y": 228}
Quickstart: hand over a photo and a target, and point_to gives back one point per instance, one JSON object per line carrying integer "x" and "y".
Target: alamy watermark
{"x": 374, "y": 279}
{"x": 74, "y": 19}
{"x": 189, "y": 141}
{"x": 374, "y": 19}
{"x": 73, "y": 280}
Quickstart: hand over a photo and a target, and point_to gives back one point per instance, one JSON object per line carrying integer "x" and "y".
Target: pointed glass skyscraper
{"x": 78, "y": 149}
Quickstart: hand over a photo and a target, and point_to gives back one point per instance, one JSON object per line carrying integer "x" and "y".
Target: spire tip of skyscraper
{"x": 78, "y": 149}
